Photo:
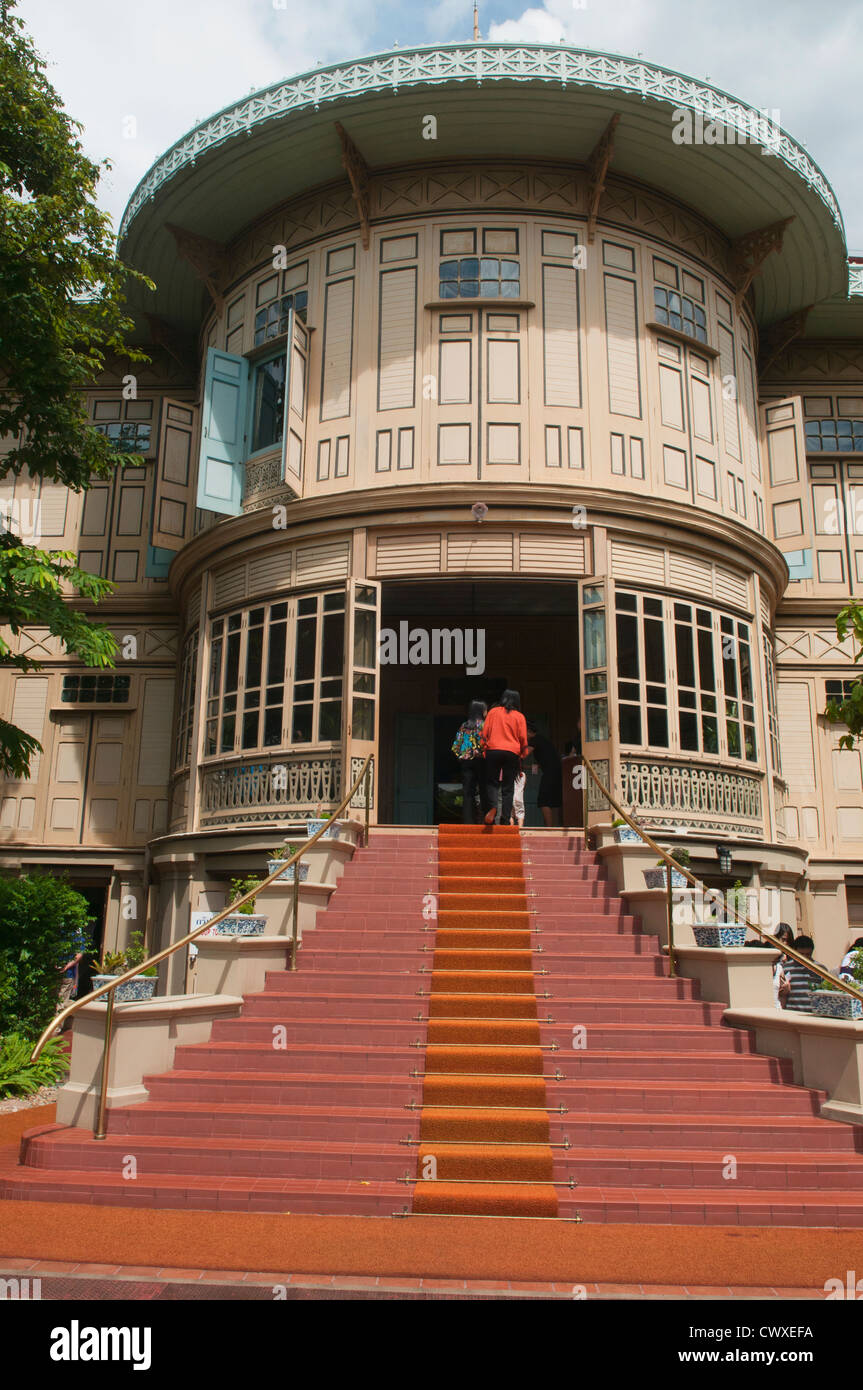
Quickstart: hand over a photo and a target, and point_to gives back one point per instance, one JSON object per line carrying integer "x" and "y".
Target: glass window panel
{"x": 469, "y": 289}
{"x": 657, "y": 728}
{"x": 657, "y": 694}
{"x": 305, "y": 657}
{"x": 449, "y": 270}
{"x": 629, "y": 721}
{"x": 333, "y": 645}
{"x": 330, "y": 720}
{"x": 596, "y": 684}
{"x": 334, "y": 603}
{"x": 685, "y": 654}
{"x": 250, "y": 729}
{"x": 278, "y": 612}
{"x": 276, "y": 653}
{"x": 364, "y": 683}
{"x": 301, "y": 728}
{"x": 254, "y": 652}
{"x": 627, "y": 603}
{"x": 307, "y": 605}
{"x": 228, "y": 726}
{"x": 654, "y": 651}
{"x": 688, "y": 726}
{"x": 365, "y": 625}
{"x": 627, "y": 646}
{"x": 733, "y": 733}
{"x": 363, "y": 718}
{"x": 594, "y": 639}
{"x": 596, "y": 712}
{"x": 706, "y": 669}
{"x": 653, "y": 606}
{"x": 710, "y": 734}
{"x": 509, "y": 289}
{"x": 273, "y": 727}
{"x": 628, "y": 690}
{"x": 232, "y": 661}
{"x": 269, "y": 409}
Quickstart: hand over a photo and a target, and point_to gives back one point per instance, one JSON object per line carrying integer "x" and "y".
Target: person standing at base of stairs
{"x": 504, "y": 738}
{"x": 803, "y": 981}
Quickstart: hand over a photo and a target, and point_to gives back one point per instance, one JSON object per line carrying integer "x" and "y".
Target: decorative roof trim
{"x": 480, "y": 62}
{"x": 855, "y": 278}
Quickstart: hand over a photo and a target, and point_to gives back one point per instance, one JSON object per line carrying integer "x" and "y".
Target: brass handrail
{"x": 99, "y": 1132}
{"x": 697, "y": 883}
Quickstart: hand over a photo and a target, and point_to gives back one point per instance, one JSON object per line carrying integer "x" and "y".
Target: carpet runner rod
{"x": 484, "y": 949}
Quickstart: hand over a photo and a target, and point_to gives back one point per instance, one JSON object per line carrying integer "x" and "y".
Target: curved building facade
{"x": 609, "y": 304}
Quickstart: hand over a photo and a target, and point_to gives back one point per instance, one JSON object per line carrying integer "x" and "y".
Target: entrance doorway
{"x": 531, "y": 645}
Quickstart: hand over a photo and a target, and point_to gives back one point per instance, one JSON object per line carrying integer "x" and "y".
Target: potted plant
{"x": 731, "y": 933}
{"x": 287, "y": 874}
{"x": 624, "y": 834}
{"x": 656, "y": 878}
{"x": 243, "y": 922}
{"x": 333, "y": 833}
{"x": 115, "y": 963}
{"x": 828, "y": 1001}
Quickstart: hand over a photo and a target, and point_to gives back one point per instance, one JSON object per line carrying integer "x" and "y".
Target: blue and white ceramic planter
{"x": 655, "y": 878}
{"x": 135, "y": 991}
{"x": 313, "y": 826}
{"x": 238, "y": 924}
{"x": 625, "y": 835}
{"x": 828, "y": 1003}
{"x": 287, "y": 874}
{"x": 719, "y": 936}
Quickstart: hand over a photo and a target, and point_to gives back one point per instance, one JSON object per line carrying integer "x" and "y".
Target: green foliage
{"x": 850, "y": 710}
{"x": 241, "y": 886}
{"x": 41, "y": 918}
{"x": 21, "y": 1077}
{"x": 855, "y": 971}
{"x": 62, "y": 292}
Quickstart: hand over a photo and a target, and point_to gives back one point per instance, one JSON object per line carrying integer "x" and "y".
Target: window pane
{"x": 333, "y": 645}
{"x": 688, "y": 724}
{"x": 330, "y": 722}
{"x": 627, "y": 646}
{"x": 710, "y": 734}
{"x": 306, "y": 637}
{"x": 301, "y": 731}
{"x": 597, "y": 721}
{"x": 685, "y": 655}
{"x": 232, "y": 662}
{"x": 706, "y": 670}
{"x": 657, "y": 728}
{"x": 654, "y": 651}
{"x": 276, "y": 655}
{"x": 254, "y": 649}
{"x": 364, "y": 637}
{"x": 594, "y": 639}
{"x": 363, "y": 718}
{"x": 250, "y": 729}
{"x": 630, "y": 723}
{"x": 269, "y": 404}
{"x": 273, "y": 727}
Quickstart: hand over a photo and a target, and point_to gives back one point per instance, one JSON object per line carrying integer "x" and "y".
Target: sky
{"x": 137, "y": 74}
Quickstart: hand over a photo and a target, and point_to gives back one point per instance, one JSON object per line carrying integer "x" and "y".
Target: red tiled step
{"x": 274, "y": 1088}
{"x": 565, "y": 987}
{"x": 700, "y": 1206}
{"x": 230, "y": 1156}
{"x": 693, "y": 1168}
{"x": 370, "y": 1123}
{"x": 632, "y": 1013}
{"x": 302, "y": 1003}
{"x": 649, "y": 1039}
{"x": 326, "y": 1197}
{"x": 234, "y": 1055}
{"x": 688, "y": 1097}
{"x": 734, "y": 1133}
{"x": 353, "y": 1032}
{"x": 653, "y": 1065}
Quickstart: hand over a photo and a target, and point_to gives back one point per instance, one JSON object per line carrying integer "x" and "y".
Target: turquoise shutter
{"x": 223, "y": 433}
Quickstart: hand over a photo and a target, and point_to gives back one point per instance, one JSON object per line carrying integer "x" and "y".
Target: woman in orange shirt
{"x": 504, "y": 738}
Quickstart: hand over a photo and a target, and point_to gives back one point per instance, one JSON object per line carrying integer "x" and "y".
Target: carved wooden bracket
{"x": 358, "y": 172}
{"x": 208, "y": 259}
{"x": 597, "y": 170}
{"x": 750, "y": 251}
{"x": 775, "y": 339}
{"x": 177, "y": 345}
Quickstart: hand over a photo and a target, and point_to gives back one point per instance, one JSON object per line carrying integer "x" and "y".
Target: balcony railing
{"x": 270, "y": 788}
{"x": 670, "y": 795}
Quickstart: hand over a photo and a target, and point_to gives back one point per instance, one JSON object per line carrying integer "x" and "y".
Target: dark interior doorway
{"x": 531, "y": 645}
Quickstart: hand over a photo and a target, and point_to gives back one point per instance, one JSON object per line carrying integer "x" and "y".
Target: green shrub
{"x": 21, "y": 1077}
{"x": 239, "y": 886}
{"x": 118, "y": 962}
{"x": 40, "y": 918}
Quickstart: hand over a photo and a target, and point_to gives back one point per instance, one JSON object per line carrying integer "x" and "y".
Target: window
{"x": 187, "y": 691}
{"x": 713, "y": 693}
{"x": 642, "y": 678}
{"x": 246, "y": 682}
{"x": 272, "y": 320}
{"x": 96, "y": 690}
{"x": 128, "y": 437}
{"x": 697, "y": 721}
{"x": 488, "y": 277}
{"x": 840, "y": 690}
{"x": 739, "y": 693}
{"x": 680, "y": 312}
{"x": 268, "y": 418}
{"x": 772, "y": 708}
{"x": 834, "y": 436}
{"x": 318, "y": 668}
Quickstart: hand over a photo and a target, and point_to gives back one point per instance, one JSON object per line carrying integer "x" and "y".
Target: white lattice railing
{"x": 670, "y": 795}
{"x": 472, "y": 64}
{"x": 270, "y": 788}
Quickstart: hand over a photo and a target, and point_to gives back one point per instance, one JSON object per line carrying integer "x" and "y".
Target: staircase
{"x": 532, "y": 1056}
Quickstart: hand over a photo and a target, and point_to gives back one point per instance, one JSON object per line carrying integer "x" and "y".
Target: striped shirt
{"x": 803, "y": 982}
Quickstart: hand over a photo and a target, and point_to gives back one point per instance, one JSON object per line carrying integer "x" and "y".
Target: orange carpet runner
{"x": 484, "y": 1135}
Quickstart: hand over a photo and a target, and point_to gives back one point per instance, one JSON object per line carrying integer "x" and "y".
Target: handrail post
{"x": 367, "y": 796}
{"x": 295, "y": 924}
{"x": 669, "y": 895}
{"x": 99, "y": 1131}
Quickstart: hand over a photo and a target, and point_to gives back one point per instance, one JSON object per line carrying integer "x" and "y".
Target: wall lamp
{"x": 723, "y": 854}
